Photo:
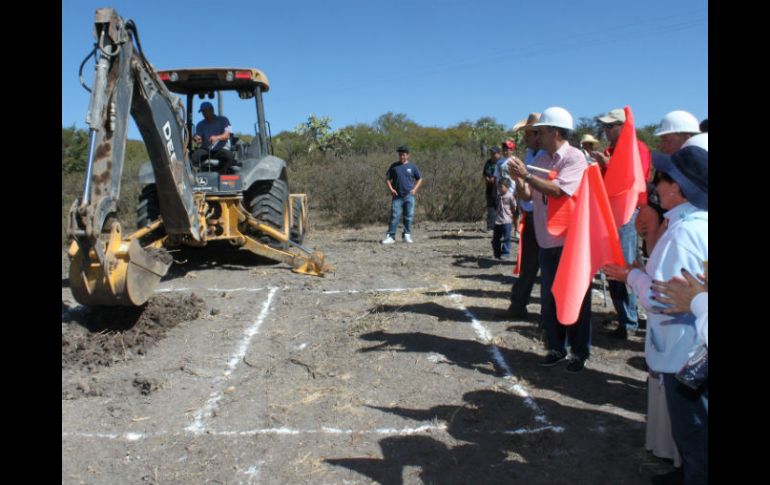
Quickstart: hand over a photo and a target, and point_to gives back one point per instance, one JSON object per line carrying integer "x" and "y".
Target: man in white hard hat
{"x": 675, "y": 129}
{"x": 569, "y": 164}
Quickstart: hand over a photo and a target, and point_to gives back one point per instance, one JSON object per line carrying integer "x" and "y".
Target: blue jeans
{"x": 490, "y": 217}
{"x": 624, "y": 298}
{"x": 401, "y": 206}
{"x": 502, "y": 248}
{"x": 578, "y": 335}
{"x": 689, "y": 411}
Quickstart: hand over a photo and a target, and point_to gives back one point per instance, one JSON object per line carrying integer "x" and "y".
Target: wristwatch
{"x": 527, "y": 177}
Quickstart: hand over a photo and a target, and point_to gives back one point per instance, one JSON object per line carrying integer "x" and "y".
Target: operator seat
{"x": 213, "y": 164}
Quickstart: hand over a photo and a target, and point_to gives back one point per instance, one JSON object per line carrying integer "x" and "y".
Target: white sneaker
{"x": 408, "y": 238}
{"x": 388, "y": 240}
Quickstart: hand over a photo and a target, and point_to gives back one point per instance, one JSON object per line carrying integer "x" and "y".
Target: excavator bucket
{"x": 125, "y": 274}
{"x": 314, "y": 264}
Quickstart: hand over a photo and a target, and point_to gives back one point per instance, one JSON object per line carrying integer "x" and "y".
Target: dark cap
{"x": 689, "y": 167}
{"x": 206, "y": 105}
{"x": 494, "y": 150}
{"x": 403, "y": 149}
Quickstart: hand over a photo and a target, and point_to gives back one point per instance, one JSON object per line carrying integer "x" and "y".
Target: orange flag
{"x": 624, "y": 179}
{"x": 520, "y": 249}
{"x": 559, "y": 214}
{"x": 592, "y": 241}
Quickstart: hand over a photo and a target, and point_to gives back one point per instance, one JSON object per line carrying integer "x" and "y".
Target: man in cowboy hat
{"x": 529, "y": 265}
{"x": 589, "y": 143}
{"x": 531, "y": 120}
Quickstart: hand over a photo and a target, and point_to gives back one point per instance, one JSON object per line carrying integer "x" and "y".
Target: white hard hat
{"x": 678, "y": 122}
{"x": 558, "y": 117}
{"x": 700, "y": 140}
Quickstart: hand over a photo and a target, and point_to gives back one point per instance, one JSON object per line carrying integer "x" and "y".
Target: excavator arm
{"x": 107, "y": 269}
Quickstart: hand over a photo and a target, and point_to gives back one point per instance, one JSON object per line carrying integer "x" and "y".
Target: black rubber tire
{"x": 294, "y": 233}
{"x": 148, "y": 208}
{"x": 267, "y": 201}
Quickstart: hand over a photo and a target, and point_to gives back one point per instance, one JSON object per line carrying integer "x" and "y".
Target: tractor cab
{"x": 210, "y": 83}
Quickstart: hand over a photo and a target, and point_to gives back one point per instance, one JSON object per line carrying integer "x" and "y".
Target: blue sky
{"x": 439, "y": 62}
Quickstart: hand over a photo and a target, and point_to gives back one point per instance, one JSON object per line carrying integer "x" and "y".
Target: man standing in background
{"x": 403, "y": 179}
{"x": 489, "y": 181}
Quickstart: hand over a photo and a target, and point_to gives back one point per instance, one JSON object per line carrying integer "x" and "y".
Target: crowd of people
{"x": 664, "y": 245}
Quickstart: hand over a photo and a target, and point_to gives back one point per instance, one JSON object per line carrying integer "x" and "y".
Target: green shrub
{"x": 352, "y": 189}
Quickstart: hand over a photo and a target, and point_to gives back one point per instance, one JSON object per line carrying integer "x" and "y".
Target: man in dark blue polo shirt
{"x": 403, "y": 179}
{"x": 213, "y": 135}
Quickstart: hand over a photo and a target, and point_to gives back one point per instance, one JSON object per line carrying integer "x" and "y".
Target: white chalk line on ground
{"x": 206, "y": 411}
{"x": 197, "y": 428}
{"x": 483, "y": 334}
{"x": 324, "y": 430}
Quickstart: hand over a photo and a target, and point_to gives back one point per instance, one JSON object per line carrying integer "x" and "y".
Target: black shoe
{"x": 675, "y": 477}
{"x": 621, "y": 333}
{"x": 552, "y": 358}
{"x": 576, "y": 365}
{"x": 609, "y": 322}
{"x": 517, "y": 311}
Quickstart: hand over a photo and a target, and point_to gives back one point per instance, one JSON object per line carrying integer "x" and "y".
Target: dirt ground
{"x": 395, "y": 369}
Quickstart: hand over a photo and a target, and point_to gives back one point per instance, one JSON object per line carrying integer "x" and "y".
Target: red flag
{"x": 592, "y": 241}
{"x": 624, "y": 179}
{"x": 559, "y": 214}
{"x": 519, "y": 250}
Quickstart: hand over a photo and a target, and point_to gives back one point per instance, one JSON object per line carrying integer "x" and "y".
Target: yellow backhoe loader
{"x": 180, "y": 204}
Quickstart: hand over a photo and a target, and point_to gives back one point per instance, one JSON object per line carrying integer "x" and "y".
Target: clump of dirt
{"x": 101, "y": 336}
{"x": 146, "y": 385}
{"x": 81, "y": 386}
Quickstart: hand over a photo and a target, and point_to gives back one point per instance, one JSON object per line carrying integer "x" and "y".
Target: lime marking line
{"x": 197, "y": 426}
{"x": 486, "y": 337}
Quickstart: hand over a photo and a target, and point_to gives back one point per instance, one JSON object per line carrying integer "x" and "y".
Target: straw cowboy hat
{"x": 531, "y": 120}
{"x": 587, "y": 138}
